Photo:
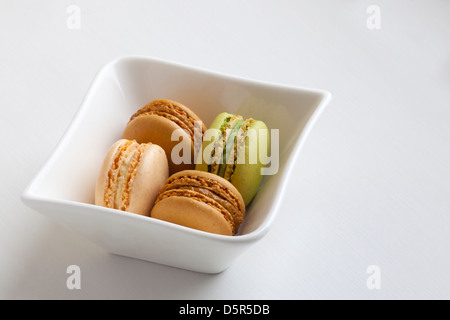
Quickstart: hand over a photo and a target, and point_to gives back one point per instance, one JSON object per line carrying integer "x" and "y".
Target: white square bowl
{"x": 64, "y": 188}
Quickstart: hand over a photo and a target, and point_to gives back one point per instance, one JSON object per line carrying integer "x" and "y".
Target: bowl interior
{"x": 126, "y": 84}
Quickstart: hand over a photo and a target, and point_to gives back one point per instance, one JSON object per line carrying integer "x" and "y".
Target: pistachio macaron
{"x": 131, "y": 176}
{"x": 233, "y": 151}
{"x": 156, "y": 122}
{"x": 202, "y": 201}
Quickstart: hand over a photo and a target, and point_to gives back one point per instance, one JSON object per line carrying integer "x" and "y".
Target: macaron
{"x": 232, "y": 151}
{"x": 131, "y": 176}
{"x": 202, "y": 201}
{"x": 157, "y": 120}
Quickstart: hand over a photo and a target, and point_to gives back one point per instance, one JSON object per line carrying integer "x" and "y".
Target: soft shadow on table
{"x": 103, "y": 275}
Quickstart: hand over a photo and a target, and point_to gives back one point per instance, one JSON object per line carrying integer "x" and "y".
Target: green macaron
{"x": 231, "y": 149}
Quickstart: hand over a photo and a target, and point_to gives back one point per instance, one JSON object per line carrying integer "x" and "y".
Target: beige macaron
{"x": 131, "y": 176}
{"x": 202, "y": 201}
{"x": 156, "y": 121}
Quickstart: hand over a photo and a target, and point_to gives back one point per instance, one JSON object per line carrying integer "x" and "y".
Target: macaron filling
{"x": 224, "y": 144}
{"x": 130, "y": 176}
{"x": 215, "y": 159}
{"x": 110, "y": 189}
{"x": 231, "y": 143}
{"x": 230, "y": 152}
{"x": 239, "y": 146}
{"x": 122, "y": 173}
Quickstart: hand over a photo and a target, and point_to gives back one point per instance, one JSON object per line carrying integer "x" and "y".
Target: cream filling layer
{"x": 239, "y": 149}
{"x": 122, "y": 175}
{"x": 122, "y": 178}
{"x": 113, "y": 173}
{"x": 223, "y": 143}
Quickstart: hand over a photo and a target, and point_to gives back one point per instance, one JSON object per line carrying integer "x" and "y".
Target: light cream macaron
{"x": 157, "y": 120}
{"x": 202, "y": 201}
{"x": 131, "y": 176}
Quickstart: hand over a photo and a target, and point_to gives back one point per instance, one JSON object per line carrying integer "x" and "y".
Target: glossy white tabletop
{"x": 366, "y": 211}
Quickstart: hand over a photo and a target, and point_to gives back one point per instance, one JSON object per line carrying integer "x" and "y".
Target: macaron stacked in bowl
{"x": 140, "y": 174}
{"x": 234, "y": 153}
{"x": 200, "y": 200}
{"x": 157, "y": 121}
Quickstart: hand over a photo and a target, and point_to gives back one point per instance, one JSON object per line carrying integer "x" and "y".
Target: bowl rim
{"x": 31, "y": 199}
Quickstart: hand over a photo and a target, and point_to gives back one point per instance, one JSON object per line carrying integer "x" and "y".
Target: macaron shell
{"x": 247, "y": 177}
{"x": 158, "y": 130}
{"x": 103, "y": 179}
{"x": 152, "y": 173}
{"x": 193, "y": 214}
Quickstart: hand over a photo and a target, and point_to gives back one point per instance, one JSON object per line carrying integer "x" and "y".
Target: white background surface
{"x": 372, "y": 184}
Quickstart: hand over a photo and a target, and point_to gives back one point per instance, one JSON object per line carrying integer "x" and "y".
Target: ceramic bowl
{"x": 64, "y": 188}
